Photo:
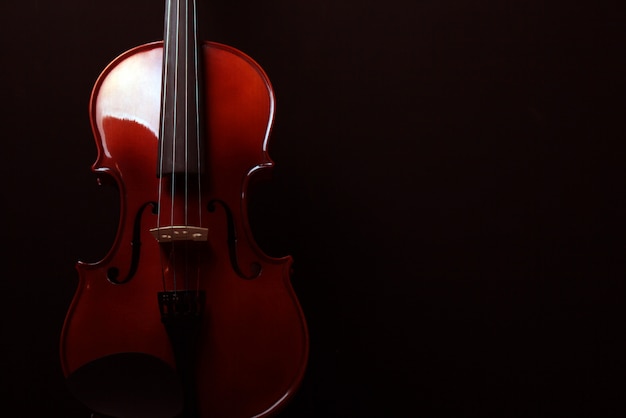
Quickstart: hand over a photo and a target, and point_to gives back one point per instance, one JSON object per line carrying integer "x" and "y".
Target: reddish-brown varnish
{"x": 185, "y": 316}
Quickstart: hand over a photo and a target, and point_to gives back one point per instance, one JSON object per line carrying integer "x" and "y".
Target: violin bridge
{"x": 179, "y": 233}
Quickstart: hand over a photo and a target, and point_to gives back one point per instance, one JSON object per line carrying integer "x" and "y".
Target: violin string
{"x": 164, "y": 84}
{"x": 196, "y": 52}
{"x": 173, "y": 175}
{"x": 186, "y": 92}
{"x": 185, "y": 138}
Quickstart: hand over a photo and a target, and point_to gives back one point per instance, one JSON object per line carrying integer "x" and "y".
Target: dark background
{"x": 449, "y": 179}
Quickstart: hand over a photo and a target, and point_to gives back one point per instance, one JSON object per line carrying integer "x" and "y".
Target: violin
{"x": 185, "y": 316}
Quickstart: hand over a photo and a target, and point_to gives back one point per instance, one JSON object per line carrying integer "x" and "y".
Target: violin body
{"x": 244, "y": 353}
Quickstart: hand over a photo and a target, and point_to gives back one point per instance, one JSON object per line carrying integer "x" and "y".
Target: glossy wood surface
{"x": 253, "y": 345}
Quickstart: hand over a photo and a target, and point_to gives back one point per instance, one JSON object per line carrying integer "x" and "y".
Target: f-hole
{"x": 114, "y": 272}
{"x": 232, "y": 242}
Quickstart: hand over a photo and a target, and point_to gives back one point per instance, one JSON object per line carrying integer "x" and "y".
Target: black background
{"x": 449, "y": 179}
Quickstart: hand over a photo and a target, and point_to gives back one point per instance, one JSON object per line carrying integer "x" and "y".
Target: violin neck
{"x": 180, "y": 126}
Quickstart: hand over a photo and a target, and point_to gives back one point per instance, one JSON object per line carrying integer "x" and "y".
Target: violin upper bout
{"x": 127, "y": 93}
